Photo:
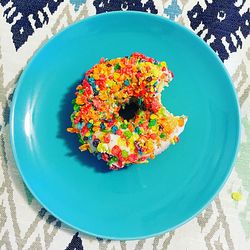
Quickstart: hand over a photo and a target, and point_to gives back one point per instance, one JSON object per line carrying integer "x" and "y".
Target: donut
{"x": 117, "y": 111}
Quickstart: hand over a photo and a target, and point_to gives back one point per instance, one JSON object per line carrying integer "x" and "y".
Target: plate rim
{"x": 13, "y": 109}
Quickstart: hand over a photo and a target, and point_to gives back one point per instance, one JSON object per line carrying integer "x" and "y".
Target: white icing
{"x": 157, "y": 150}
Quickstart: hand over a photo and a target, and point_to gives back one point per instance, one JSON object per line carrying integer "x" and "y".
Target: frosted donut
{"x": 118, "y": 114}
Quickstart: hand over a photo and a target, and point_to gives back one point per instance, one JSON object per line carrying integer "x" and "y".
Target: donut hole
{"x": 129, "y": 110}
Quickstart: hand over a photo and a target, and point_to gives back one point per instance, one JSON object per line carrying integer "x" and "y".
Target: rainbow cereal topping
{"x": 99, "y": 118}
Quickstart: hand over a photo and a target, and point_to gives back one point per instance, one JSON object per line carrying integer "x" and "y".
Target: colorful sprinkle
{"x": 114, "y": 129}
{"x": 99, "y": 156}
{"x": 128, "y": 134}
{"x": 124, "y": 153}
{"x": 95, "y": 142}
{"x": 152, "y": 123}
{"x": 126, "y": 82}
{"x": 237, "y": 196}
{"x": 107, "y": 138}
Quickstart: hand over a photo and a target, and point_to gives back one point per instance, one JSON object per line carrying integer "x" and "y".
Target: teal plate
{"x": 142, "y": 200}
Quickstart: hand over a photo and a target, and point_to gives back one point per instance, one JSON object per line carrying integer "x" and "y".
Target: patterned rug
{"x": 26, "y": 24}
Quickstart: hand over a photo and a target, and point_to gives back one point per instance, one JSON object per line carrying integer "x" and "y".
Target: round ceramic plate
{"x": 141, "y": 200}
